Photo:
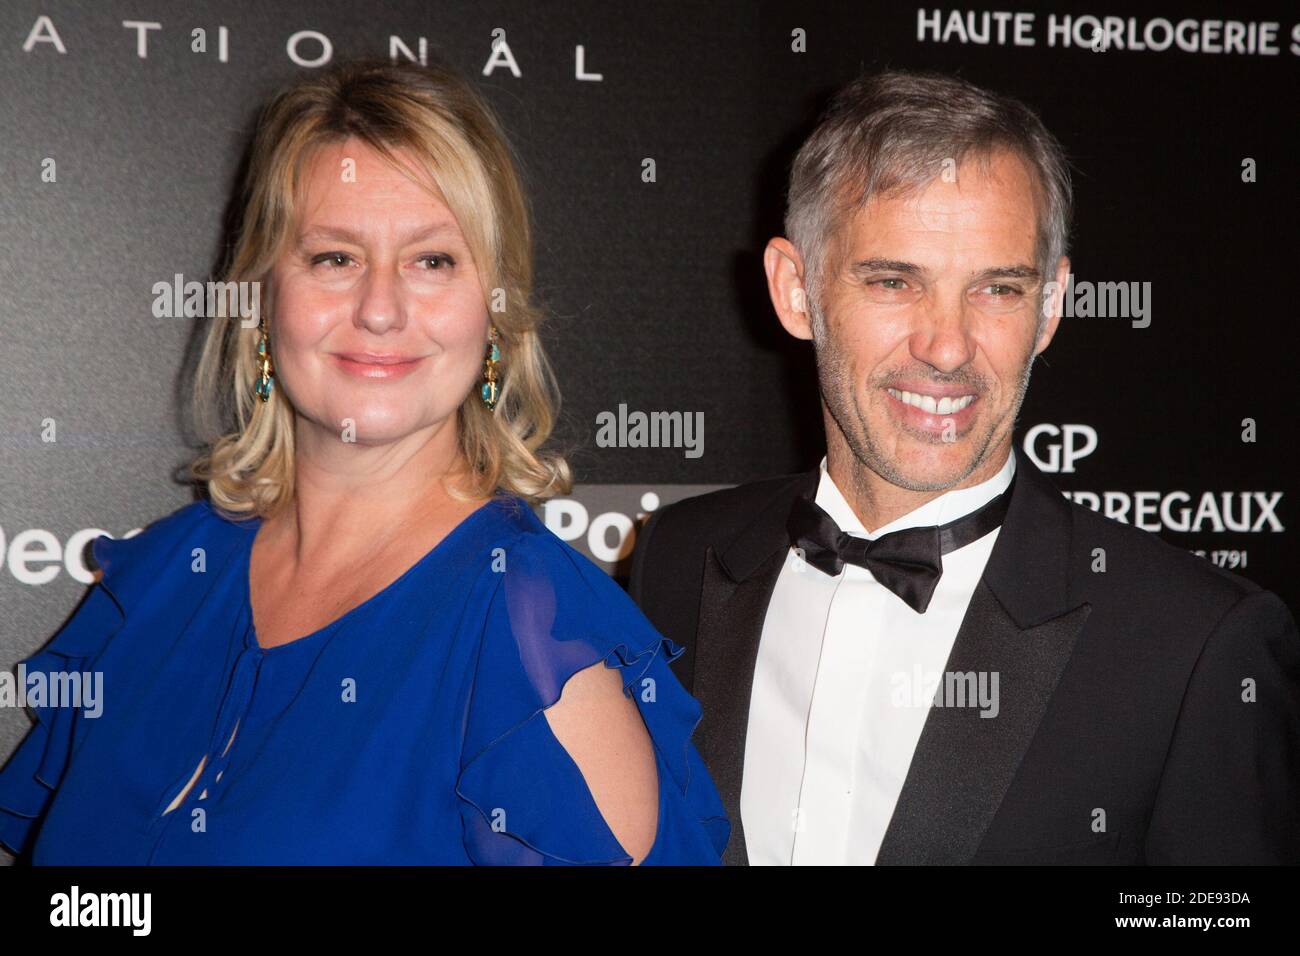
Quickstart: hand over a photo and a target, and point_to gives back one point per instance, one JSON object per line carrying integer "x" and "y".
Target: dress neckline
{"x": 245, "y": 576}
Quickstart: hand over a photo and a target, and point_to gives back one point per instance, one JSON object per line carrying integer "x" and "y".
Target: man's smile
{"x": 934, "y": 409}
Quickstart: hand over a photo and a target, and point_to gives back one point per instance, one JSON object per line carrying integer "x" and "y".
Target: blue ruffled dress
{"x": 408, "y": 731}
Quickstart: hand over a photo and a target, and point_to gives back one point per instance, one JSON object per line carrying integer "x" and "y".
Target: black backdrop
{"x": 655, "y": 289}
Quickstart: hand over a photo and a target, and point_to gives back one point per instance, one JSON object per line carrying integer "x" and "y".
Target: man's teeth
{"x": 928, "y": 403}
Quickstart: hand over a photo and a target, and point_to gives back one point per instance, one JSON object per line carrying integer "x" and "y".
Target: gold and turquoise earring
{"x": 265, "y": 374}
{"x": 491, "y": 388}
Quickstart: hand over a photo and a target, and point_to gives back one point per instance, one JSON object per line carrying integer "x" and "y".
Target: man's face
{"x": 930, "y": 305}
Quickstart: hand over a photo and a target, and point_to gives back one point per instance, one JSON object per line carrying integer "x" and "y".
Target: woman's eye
{"x": 334, "y": 261}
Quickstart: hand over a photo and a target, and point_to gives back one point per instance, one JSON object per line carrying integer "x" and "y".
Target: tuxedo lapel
{"x": 739, "y": 576}
{"x": 964, "y": 763}
{"x": 726, "y": 650}
{"x": 1021, "y": 625}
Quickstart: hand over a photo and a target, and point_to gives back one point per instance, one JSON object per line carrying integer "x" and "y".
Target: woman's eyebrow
{"x": 442, "y": 227}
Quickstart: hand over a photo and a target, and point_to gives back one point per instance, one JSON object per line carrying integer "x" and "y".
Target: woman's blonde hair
{"x": 458, "y": 142}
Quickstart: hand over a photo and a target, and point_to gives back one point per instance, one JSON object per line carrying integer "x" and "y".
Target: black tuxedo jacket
{"x": 1159, "y": 697}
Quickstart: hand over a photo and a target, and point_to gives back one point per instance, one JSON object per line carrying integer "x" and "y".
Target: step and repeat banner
{"x": 655, "y": 141}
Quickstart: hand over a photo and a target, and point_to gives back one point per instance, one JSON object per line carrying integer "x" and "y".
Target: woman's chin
{"x": 372, "y": 426}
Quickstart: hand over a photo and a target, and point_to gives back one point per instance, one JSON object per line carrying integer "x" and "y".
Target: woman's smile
{"x": 377, "y": 365}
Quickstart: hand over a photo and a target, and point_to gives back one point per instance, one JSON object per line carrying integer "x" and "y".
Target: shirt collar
{"x": 949, "y": 506}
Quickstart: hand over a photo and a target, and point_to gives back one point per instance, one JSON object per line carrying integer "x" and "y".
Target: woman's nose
{"x": 381, "y": 305}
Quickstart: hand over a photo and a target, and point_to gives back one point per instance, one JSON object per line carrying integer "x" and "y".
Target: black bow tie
{"x": 908, "y": 562}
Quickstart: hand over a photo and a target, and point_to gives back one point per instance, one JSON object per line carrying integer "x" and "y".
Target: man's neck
{"x": 877, "y": 502}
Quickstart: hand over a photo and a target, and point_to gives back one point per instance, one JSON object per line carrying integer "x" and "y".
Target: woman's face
{"x": 378, "y": 318}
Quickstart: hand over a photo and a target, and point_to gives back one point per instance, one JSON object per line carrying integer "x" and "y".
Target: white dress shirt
{"x": 845, "y": 675}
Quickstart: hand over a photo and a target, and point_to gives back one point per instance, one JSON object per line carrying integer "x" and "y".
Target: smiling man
{"x": 921, "y": 652}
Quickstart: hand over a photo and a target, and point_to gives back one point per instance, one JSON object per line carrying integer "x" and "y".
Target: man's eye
{"x": 334, "y": 259}
{"x": 438, "y": 261}
{"x": 999, "y": 289}
{"x": 892, "y": 284}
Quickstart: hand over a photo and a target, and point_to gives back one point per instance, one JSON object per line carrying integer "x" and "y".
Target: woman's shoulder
{"x": 168, "y": 545}
{"x": 556, "y": 614}
{"x": 531, "y": 558}
{"x": 133, "y": 571}
{"x": 160, "y": 536}
{"x": 555, "y": 606}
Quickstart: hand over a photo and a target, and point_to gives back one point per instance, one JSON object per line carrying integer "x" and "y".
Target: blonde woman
{"x": 363, "y": 647}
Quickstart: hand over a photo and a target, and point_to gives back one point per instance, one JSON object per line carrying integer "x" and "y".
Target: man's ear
{"x": 1055, "y": 304}
{"x": 784, "y": 268}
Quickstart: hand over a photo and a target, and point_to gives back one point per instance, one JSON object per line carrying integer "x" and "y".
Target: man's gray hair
{"x": 896, "y": 132}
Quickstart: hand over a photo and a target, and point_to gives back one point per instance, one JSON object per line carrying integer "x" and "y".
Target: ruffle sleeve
{"x": 32, "y": 774}
{"x": 523, "y": 799}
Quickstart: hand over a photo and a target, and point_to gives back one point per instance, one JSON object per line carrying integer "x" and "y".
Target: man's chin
{"x": 923, "y": 466}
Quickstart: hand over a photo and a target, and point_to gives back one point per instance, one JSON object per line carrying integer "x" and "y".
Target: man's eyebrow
{"x": 1008, "y": 272}
{"x": 876, "y": 264}
{"x": 443, "y": 227}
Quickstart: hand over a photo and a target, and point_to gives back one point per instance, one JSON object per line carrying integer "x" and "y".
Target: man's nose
{"x": 942, "y": 337}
